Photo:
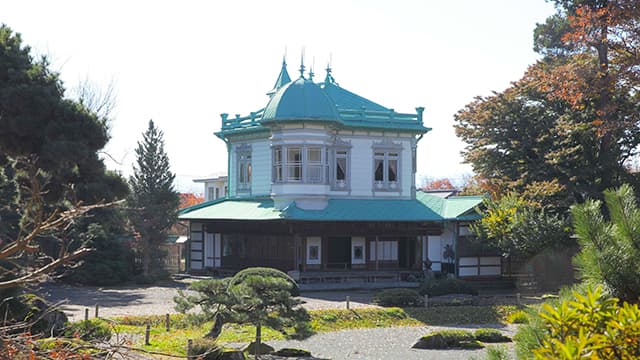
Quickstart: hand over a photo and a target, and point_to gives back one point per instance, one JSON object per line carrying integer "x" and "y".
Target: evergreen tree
{"x": 153, "y": 200}
{"x": 610, "y": 249}
{"x": 49, "y": 162}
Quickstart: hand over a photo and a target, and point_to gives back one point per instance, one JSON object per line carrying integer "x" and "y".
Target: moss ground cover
{"x": 174, "y": 341}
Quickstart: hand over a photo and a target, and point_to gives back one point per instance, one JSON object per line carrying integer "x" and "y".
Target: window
{"x": 294, "y": 164}
{"x": 217, "y": 193}
{"x": 313, "y": 252}
{"x": 386, "y": 169}
{"x": 340, "y": 170}
{"x": 386, "y": 250}
{"x": 314, "y": 167}
{"x": 277, "y": 164}
{"x": 358, "y": 252}
{"x": 299, "y": 163}
{"x": 210, "y": 194}
{"x": 244, "y": 168}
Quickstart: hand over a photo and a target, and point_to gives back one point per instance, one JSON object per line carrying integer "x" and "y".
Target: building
{"x": 215, "y": 187}
{"x": 322, "y": 179}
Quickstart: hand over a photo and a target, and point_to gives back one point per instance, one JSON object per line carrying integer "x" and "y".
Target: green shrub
{"x": 445, "y": 339}
{"x": 398, "y": 297}
{"x": 497, "y": 353}
{"x": 264, "y": 272}
{"x": 592, "y": 325}
{"x": 490, "y": 336}
{"x": 205, "y": 349}
{"x": 176, "y": 321}
{"x": 83, "y": 349}
{"x": 529, "y": 337}
{"x": 287, "y": 352}
{"x": 518, "y": 317}
{"x": 439, "y": 287}
{"x": 471, "y": 345}
{"x": 329, "y": 317}
{"x": 88, "y": 330}
{"x": 395, "y": 312}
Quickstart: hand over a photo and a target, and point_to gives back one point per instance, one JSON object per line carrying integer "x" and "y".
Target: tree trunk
{"x": 146, "y": 258}
{"x": 258, "y": 339}
{"x": 216, "y": 329}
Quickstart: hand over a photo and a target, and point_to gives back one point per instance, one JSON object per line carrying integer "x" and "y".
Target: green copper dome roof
{"x": 300, "y": 100}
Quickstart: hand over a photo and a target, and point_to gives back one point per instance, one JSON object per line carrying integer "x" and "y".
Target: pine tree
{"x": 610, "y": 248}
{"x": 153, "y": 200}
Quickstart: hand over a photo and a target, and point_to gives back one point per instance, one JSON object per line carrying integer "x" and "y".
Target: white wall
{"x": 261, "y": 168}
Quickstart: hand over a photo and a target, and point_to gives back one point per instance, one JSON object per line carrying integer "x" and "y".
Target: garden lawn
{"x": 174, "y": 342}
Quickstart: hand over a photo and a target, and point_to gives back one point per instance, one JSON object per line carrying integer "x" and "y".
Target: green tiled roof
{"x": 304, "y": 100}
{"x": 237, "y": 209}
{"x": 425, "y": 207}
{"x": 366, "y": 210}
{"x": 345, "y": 99}
{"x": 452, "y": 207}
{"x": 301, "y": 100}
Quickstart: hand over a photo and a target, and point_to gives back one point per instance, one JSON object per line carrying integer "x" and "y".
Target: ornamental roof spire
{"x": 329, "y": 78}
{"x": 302, "y": 64}
{"x": 283, "y": 78}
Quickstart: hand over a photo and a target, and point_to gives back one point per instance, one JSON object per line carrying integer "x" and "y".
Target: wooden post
{"x": 426, "y": 301}
{"x": 166, "y": 320}
{"x": 518, "y": 302}
{"x": 146, "y": 334}
{"x": 97, "y": 307}
{"x": 86, "y": 314}
{"x": 348, "y": 299}
{"x": 189, "y": 347}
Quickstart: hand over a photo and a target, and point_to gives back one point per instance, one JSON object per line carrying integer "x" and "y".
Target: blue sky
{"x": 183, "y": 63}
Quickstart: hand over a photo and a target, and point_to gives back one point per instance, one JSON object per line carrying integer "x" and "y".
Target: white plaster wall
{"x": 361, "y": 166}
{"x": 406, "y": 173}
{"x": 261, "y": 168}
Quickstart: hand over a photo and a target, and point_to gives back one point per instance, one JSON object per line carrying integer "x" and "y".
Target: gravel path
{"x": 378, "y": 344}
{"x": 158, "y": 300}
{"x": 370, "y": 344}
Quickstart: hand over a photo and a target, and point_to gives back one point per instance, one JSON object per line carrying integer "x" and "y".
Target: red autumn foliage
{"x": 439, "y": 184}
{"x": 190, "y": 199}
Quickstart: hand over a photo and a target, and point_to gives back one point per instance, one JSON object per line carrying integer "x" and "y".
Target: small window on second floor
{"x": 244, "y": 170}
{"x": 294, "y": 164}
{"x": 340, "y": 170}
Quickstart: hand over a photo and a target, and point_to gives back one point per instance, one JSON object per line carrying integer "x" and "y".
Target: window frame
{"x": 284, "y": 170}
{"x": 388, "y": 153}
{"x": 345, "y": 153}
{"x": 244, "y": 168}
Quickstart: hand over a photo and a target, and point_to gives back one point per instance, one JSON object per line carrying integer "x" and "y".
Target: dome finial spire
{"x": 329, "y": 78}
{"x": 302, "y": 63}
{"x": 283, "y": 78}
{"x": 313, "y": 64}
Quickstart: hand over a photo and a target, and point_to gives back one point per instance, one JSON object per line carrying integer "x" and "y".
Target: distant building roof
{"x": 211, "y": 179}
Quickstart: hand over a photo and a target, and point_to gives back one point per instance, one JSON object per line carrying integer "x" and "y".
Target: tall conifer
{"x": 153, "y": 200}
